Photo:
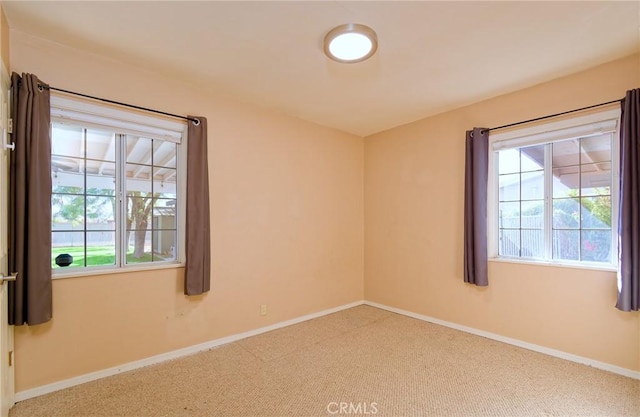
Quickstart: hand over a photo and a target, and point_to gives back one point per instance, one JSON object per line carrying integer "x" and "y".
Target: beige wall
{"x": 287, "y": 229}
{"x": 288, "y": 226}
{"x": 414, "y": 186}
{"x": 4, "y": 38}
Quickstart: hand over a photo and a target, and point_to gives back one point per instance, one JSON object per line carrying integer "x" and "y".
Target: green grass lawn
{"x": 96, "y": 256}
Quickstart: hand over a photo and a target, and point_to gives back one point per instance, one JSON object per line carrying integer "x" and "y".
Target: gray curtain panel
{"x": 30, "y": 300}
{"x": 475, "y": 207}
{"x": 198, "y": 247}
{"x": 629, "y": 204}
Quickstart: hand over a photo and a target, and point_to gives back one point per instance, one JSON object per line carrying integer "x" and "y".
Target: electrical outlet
{"x": 263, "y": 310}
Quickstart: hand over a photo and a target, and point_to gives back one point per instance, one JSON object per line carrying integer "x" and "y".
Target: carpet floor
{"x": 360, "y": 361}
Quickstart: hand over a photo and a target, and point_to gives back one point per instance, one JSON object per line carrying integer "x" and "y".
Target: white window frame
{"x": 90, "y": 115}
{"x": 591, "y": 124}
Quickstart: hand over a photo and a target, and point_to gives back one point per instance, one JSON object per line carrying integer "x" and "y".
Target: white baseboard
{"x": 526, "y": 345}
{"x": 190, "y": 350}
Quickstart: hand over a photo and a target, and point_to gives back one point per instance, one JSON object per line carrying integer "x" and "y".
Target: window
{"x": 554, "y": 192}
{"x": 116, "y": 180}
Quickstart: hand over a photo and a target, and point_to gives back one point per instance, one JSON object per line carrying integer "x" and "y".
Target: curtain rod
{"x": 195, "y": 121}
{"x": 552, "y": 115}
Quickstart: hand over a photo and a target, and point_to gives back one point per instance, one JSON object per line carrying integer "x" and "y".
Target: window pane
{"x": 138, "y": 226}
{"x": 596, "y": 148}
{"x": 509, "y": 215}
{"x": 67, "y": 175}
{"x": 566, "y": 181}
{"x": 67, "y": 212}
{"x": 67, "y": 243}
{"x": 532, "y": 158}
{"x": 596, "y": 245}
{"x": 67, "y": 140}
{"x": 566, "y": 244}
{"x": 139, "y": 246}
{"x": 101, "y": 178}
{"x": 164, "y": 214}
{"x": 164, "y": 154}
{"x": 101, "y": 145}
{"x": 596, "y": 212}
{"x": 101, "y": 213}
{"x": 138, "y": 150}
{"x": 533, "y": 185}
{"x": 509, "y": 187}
{"x": 509, "y": 243}
{"x": 532, "y": 245}
{"x": 596, "y": 178}
{"x": 566, "y": 213}
{"x": 101, "y": 248}
{"x": 164, "y": 245}
{"x": 139, "y": 212}
{"x": 164, "y": 182}
{"x": 565, "y": 153}
{"x": 509, "y": 161}
{"x": 138, "y": 178}
{"x": 532, "y": 214}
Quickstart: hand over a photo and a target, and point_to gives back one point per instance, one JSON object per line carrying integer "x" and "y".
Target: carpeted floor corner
{"x": 360, "y": 361}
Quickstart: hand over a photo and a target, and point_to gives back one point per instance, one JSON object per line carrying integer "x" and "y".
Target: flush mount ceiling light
{"x": 350, "y": 43}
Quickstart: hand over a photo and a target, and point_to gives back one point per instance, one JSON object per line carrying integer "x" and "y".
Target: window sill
{"x": 591, "y": 267}
{"x": 113, "y": 271}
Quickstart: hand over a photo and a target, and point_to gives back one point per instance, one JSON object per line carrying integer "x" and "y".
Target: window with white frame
{"x": 554, "y": 191}
{"x": 116, "y": 188}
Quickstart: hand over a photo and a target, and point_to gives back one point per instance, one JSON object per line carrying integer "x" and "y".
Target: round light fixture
{"x": 350, "y": 43}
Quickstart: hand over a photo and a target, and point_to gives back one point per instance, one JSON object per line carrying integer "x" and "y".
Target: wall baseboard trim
{"x": 190, "y": 350}
{"x": 515, "y": 342}
{"x": 152, "y": 360}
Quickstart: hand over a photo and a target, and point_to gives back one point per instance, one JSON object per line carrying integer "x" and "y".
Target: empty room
{"x": 319, "y": 208}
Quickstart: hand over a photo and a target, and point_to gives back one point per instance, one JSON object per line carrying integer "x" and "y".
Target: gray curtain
{"x": 475, "y": 207}
{"x": 198, "y": 250}
{"x": 30, "y": 202}
{"x": 629, "y": 205}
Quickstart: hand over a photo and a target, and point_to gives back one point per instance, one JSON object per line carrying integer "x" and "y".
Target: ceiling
{"x": 432, "y": 56}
